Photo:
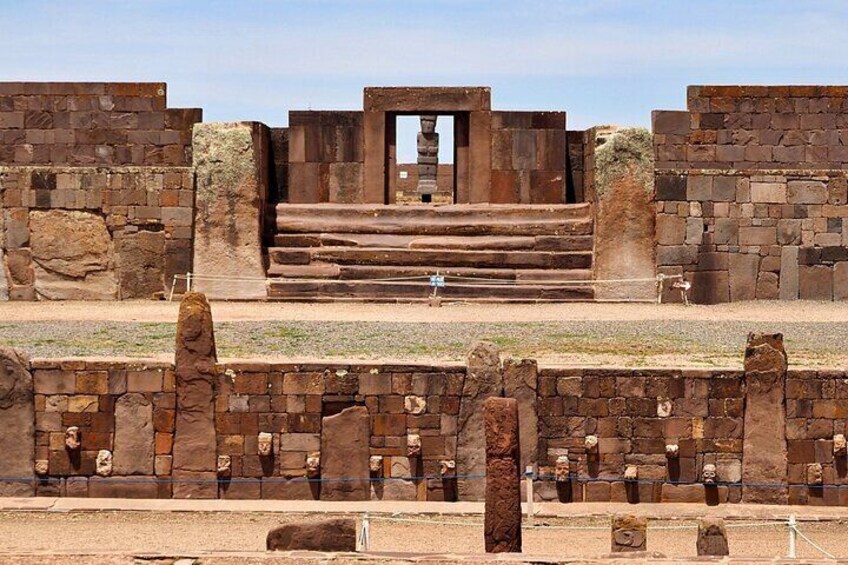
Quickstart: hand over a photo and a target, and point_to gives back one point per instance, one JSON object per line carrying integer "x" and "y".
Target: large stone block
{"x": 345, "y": 451}
{"x": 232, "y": 186}
{"x": 764, "y": 444}
{"x": 521, "y": 383}
{"x": 744, "y": 268}
{"x": 134, "y": 449}
{"x": 815, "y": 282}
{"x": 768, "y": 192}
{"x": 789, "y": 273}
{"x": 483, "y": 379}
{"x": 17, "y": 424}
{"x": 710, "y": 287}
{"x": 502, "y": 529}
{"x": 72, "y": 255}
{"x": 806, "y": 192}
{"x": 671, "y": 229}
{"x": 141, "y": 264}
{"x": 195, "y": 461}
{"x": 338, "y": 534}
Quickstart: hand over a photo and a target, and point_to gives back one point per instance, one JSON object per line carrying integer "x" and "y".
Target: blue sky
{"x": 603, "y": 61}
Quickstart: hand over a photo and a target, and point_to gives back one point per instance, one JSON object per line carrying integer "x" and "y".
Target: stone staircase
{"x": 491, "y": 252}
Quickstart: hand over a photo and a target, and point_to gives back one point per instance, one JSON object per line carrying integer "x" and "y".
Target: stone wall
{"x": 750, "y": 192}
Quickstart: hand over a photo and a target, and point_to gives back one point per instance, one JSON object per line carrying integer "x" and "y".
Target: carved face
{"x": 428, "y": 124}
{"x": 814, "y": 474}
{"x": 709, "y": 473}
{"x": 266, "y": 444}
{"x": 72, "y": 438}
{"x": 224, "y": 465}
{"x": 840, "y": 446}
{"x": 631, "y": 473}
{"x": 672, "y": 450}
{"x": 41, "y": 467}
{"x": 104, "y": 463}
{"x": 590, "y": 443}
{"x": 447, "y": 467}
{"x": 313, "y": 464}
{"x": 413, "y": 445}
{"x": 375, "y": 463}
{"x": 562, "y": 470}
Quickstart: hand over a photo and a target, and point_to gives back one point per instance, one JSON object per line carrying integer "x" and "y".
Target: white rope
{"x": 812, "y": 543}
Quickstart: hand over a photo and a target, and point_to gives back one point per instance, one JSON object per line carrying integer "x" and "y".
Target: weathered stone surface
{"x": 4, "y": 283}
{"x": 768, "y": 286}
{"x": 521, "y": 383}
{"x": 815, "y": 282}
{"x": 72, "y": 255}
{"x": 338, "y": 534}
{"x": 712, "y": 537}
{"x": 345, "y": 453}
{"x": 625, "y": 214}
{"x": 502, "y": 527}
{"x": 134, "y": 448}
{"x": 764, "y": 443}
{"x": 483, "y": 379}
{"x": 789, "y": 273}
{"x": 629, "y": 533}
{"x": 743, "y": 276}
{"x": 141, "y": 264}
{"x": 840, "y": 281}
{"x": 17, "y": 423}
{"x": 195, "y": 456}
{"x": 230, "y": 160}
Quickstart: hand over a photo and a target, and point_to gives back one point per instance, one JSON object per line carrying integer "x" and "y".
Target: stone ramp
{"x": 388, "y": 253}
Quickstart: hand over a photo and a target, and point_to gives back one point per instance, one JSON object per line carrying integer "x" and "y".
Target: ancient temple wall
{"x": 751, "y": 192}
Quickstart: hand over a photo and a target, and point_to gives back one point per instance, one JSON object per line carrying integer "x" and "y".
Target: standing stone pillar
{"x": 503, "y": 476}
{"x": 195, "y": 446}
{"x": 428, "y": 155}
{"x": 345, "y": 455}
{"x": 231, "y": 163}
{"x": 483, "y": 379}
{"x": 521, "y": 383}
{"x": 17, "y": 424}
{"x": 764, "y": 455}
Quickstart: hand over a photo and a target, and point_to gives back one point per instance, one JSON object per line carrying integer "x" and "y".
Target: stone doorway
{"x": 425, "y": 155}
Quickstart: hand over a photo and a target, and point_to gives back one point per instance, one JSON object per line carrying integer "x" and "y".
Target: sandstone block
{"x": 345, "y": 454}
{"x": 712, "y": 537}
{"x": 768, "y": 192}
{"x": 521, "y": 383}
{"x": 671, "y": 229}
{"x": 232, "y": 184}
{"x": 629, "y": 533}
{"x": 806, "y": 192}
{"x": 502, "y": 527}
{"x": 133, "y": 452}
{"x": 17, "y": 424}
{"x": 328, "y": 535}
{"x": 840, "y": 280}
{"x": 141, "y": 264}
{"x": 744, "y": 268}
{"x": 789, "y": 273}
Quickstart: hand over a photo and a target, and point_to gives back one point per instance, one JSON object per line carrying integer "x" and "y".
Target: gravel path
{"x": 644, "y": 343}
{"x": 190, "y": 532}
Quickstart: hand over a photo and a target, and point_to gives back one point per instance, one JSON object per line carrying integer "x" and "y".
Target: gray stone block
{"x": 789, "y": 273}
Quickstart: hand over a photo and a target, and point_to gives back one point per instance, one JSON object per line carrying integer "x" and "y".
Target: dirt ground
{"x": 189, "y": 533}
{"x": 631, "y": 335}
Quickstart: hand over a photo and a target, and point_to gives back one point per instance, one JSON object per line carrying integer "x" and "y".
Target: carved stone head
{"x": 224, "y": 465}
{"x": 413, "y": 445}
{"x": 375, "y": 463}
{"x": 631, "y": 473}
{"x": 72, "y": 438}
{"x": 672, "y": 451}
{"x": 313, "y": 465}
{"x": 41, "y": 467}
{"x": 428, "y": 123}
{"x": 815, "y": 474}
{"x": 447, "y": 467}
{"x": 562, "y": 470}
{"x": 709, "y": 474}
{"x": 840, "y": 447}
{"x": 590, "y": 443}
{"x": 103, "y": 464}
{"x": 266, "y": 444}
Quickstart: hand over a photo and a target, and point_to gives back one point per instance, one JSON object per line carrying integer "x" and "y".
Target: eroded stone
{"x": 629, "y": 533}
{"x": 338, "y": 534}
{"x": 503, "y": 476}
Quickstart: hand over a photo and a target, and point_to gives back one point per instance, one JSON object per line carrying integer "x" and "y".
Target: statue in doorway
{"x": 428, "y": 155}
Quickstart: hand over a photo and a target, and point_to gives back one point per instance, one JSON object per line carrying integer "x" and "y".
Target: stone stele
{"x": 17, "y": 423}
{"x": 327, "y": 535}
{"x": 764, "y": 443}
{"x": 195, "y": 462}
{"x": 629, "y": 533}
{"x": 345, "y": 455}
{"x": 502, "y": 527}
{"x": 712, "y": 537}
{"x": 134, "y": 451}
{"x": 483, "y": 379}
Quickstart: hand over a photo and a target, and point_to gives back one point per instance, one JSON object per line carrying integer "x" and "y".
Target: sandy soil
{"x": 175, "y": 533}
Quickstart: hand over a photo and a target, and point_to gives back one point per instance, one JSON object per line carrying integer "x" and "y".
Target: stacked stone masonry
{"x": 634, "y": 415}
{"x": 752, "y": 192}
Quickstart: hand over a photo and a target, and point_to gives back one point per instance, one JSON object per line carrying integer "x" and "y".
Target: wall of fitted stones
{"x": 580, "y": 166}
{"x": 751, "y": 192}
{"x": 102, "y": 233}
{"x": 93, "y": 124}
{"x": 326, "y": 157}
{"x": 528, "y": 158}
{"x": 407, "y": 185}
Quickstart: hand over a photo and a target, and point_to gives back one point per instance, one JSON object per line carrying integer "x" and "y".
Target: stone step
{"x": 431, "y": 257}
{"x": 538, "y": 243}
{"x": 398, "y": 291}
{"x": 454, "y": 219}
{"x": 365, "y": 272}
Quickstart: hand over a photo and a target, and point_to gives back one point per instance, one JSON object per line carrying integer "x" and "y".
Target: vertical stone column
{"x": 520, "y": 383}
{"x": 195, "y": 445}
{"x": 231, "y": 163}
{"x": 503, "y": 476}
{"x": 483, "y": 379}
{"x": 764, "y": 456}
{"x": 345, "y": 450}
{"x": 374, "y": 141}
{"x": 17, "y": 423}
{"x": 480, "y": 156}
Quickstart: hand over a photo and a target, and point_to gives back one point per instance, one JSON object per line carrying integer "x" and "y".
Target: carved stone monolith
{"x": 712, "y": 537}
{"x": 428, "y": 155}
{"x": 629, "y": 533}
{"x": 345, "y": 455}
{"x": 195, "y": 462}
{"x": 503, "y": 476}
{"x": 17, "y": 424}
{"x": 764, "y": 446}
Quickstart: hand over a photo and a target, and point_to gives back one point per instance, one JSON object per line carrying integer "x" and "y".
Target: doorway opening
{"x": 424, "y": 172}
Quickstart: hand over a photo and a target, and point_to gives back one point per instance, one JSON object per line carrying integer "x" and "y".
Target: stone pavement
{"x": 656, "y": 511}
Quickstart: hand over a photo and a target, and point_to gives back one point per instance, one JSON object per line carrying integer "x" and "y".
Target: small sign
{"x": 437, "y": 281}
{"x": 404, "y": 174}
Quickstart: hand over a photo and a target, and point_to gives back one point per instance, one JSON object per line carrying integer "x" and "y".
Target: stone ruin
{"x": 107, "y": 193}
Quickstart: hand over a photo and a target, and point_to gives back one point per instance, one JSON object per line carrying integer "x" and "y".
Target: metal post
{"x": 528, "y": 483}
{"x": 793, "y": 537}
{"x": 364, "y": 541}
{"x": 188, "y": 281}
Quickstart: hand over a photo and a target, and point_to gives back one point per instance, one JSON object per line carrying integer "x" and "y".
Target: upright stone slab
{"x": 338, "y": 534}
{"x": 712, "y": 537}
{"x": 483, "y": 379}
{"x": 520, "y": 383}
{"x": 629, "y": 533}
{"x": 502, "y": 527}
{"x": 231, "y": 163}
{"x": 134, "y": 449}
{"x": 17, "y": 424}
{"x": 345, "y": 451}
{"x": 764, "y": 457}
{"x": 195, "y": 446}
